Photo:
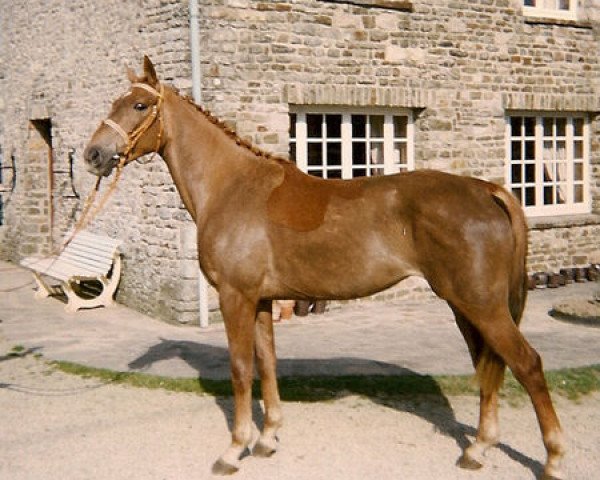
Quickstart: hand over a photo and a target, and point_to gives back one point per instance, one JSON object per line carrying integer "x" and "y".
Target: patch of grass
{"x": 571, "y": 383}
{"x": 16, "y": 351}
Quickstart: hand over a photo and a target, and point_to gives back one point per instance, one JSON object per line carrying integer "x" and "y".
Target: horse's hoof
{"x": 221, "y": 467}
{"x": 547, "y": 476}
{"x": 469, "y": 463}
{"x": 263, "y": 450}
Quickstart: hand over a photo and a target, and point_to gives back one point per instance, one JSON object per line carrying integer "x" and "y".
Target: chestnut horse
{"x": 268, "y": 231}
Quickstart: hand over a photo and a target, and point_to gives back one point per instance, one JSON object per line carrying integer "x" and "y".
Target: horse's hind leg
{"x": 266, "y": 360}
{"x": 490, "y": 369}
{"x": 500, "y": 333}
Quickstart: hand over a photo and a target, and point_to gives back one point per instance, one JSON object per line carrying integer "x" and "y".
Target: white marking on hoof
{"x": 221, "y": 467}
{"x": 472, "y": 457}
{"x": 265, "y": 447}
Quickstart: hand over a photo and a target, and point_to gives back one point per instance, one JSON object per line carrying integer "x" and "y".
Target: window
{"x": 560, "y": 9}
{"x": 548, "y": 163}
{"x": 333, "y": 144}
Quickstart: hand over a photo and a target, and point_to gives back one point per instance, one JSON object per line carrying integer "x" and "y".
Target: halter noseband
{"x": 132, "y": 138}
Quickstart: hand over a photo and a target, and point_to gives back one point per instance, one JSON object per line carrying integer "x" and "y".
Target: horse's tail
{"x": 518, "y": 276}
{"x": 490, "y": 368}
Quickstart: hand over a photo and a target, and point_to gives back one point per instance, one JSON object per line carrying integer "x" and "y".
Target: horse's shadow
{"x": 307, "y": 380}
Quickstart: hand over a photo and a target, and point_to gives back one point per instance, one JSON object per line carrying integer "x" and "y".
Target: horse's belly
{"x": 343, "y": 268}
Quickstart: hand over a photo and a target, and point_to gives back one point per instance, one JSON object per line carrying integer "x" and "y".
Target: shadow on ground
{"x": 314, "y": 380}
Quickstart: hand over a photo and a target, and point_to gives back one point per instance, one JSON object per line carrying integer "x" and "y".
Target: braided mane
{"x": 231, "y": 133}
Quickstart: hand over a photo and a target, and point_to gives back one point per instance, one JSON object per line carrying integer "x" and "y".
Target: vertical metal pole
{"x": 197, "y": 95}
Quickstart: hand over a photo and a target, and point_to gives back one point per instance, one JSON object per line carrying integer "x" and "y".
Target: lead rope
{"x": 87, "y": 213}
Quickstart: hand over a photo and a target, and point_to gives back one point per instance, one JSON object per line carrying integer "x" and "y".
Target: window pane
{"x": 376, "y": 126}
{"x": 516, "y": 150}
{"x": 548, "y": 196}
{"x": 334, "y": 154}
{"x": 293, "y": 152}
{"x": 561, "y": 150}
{"x": 293, "y": 120}
{"x": 548, "y": 124}
{"x": 548, "y": 150}
{"x": 561, "y": 193}
{"x": 359, "y": 172}
{"x": 376, "y": 156}
{"x": 530, "y": 150}
{"x": 359, "y": 156}
{"x": 563, "y": 4}
{"x": 578, "y": 127}
{"x": 578, "y": 149}
{"x": 578, "y": 171}
{"x": 517, "y": 192}
{"x": 334, "y": 126}
{"x": 529, "y": 126}
{"x": 400, "y": 127}
{"x": 314, "y": 124}
{"x": 529, "y": 3}
{"x": 515, "y": 126}
{"x": 337, "y": 173}
{"x": 315, "y": 154}
{"x": 561, "y": 127}
{"x": 578, "y": 193}
{"x": 316, "y": 173}
{"x": 400, "y": 154}
{"x": 530, "y": 173}
{"x": 516, "y": 174}
{"x": 359, "y": 129}
{"x": 375, "y": 172}
{"x": 529, "y": 196}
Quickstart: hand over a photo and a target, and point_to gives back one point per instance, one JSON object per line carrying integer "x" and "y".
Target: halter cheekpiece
{"x": 132, "y": 138}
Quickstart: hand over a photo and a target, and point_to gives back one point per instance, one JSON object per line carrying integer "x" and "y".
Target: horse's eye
{"x": 140, "y": 107}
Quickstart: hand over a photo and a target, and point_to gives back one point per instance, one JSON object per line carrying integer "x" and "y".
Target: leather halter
{"x": 132, "y": 138}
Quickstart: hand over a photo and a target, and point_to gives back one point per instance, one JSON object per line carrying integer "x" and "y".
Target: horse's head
{"x": 133, "y": 127}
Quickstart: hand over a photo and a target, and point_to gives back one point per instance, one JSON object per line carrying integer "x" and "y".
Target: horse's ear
{"x": 131, "y": 75}
{"x": 149, "y": 72}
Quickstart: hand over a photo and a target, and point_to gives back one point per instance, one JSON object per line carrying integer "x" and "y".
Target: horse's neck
{"x": 201, "y": 157}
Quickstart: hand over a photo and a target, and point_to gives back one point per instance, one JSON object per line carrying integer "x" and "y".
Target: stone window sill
{"x": 404, "y": 5}
{"x": 534, "y": 20}
{"x": 563, "y": 221}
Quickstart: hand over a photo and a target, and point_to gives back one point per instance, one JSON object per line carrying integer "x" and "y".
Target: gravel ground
{"x": 58, "y": 426}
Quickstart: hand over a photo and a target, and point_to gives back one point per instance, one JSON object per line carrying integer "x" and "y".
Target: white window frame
{"x": 390, "y": 165}
{"x": 550, "y": 9}
{"x": 571, "y": 206}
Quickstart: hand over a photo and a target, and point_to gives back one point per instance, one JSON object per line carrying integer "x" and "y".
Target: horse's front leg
{"x": 239, "y": 314}
{"x": 267, "y": 360}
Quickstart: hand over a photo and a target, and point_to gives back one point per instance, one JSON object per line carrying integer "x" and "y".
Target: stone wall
{"x": 460, "y": 65}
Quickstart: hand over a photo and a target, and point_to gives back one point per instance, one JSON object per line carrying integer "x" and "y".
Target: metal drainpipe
{"x": 197, "y": 96}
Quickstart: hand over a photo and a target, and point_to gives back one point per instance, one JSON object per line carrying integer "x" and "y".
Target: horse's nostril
{"x": 92, "y": 156}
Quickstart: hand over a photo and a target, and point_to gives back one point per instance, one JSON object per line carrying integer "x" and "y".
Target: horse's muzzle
{"x": 99, "y": 161}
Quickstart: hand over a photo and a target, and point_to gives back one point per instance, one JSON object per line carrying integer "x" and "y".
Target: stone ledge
{"x": 343, "y": 95}
{"x": 403, "y": 5}
{"x": 550, "y": 102}
{"x": 559, "y": 21}
{"x": 563, "y": 221}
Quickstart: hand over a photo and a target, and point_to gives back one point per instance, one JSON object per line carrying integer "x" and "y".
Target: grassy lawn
{"x": 571, "y": 383}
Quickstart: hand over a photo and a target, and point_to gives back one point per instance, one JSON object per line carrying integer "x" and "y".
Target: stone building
{"x": 506, "y": 90}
